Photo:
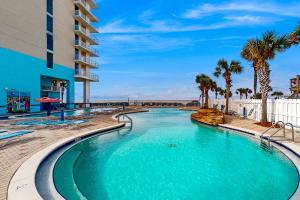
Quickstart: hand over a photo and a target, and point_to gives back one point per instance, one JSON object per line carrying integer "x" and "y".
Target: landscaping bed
{"x": 209, "y": 116}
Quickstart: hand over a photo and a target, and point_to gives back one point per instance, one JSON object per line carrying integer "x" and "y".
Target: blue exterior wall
{"x": 23, "y": 73}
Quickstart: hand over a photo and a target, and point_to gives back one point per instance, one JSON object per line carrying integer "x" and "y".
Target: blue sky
{"x": 153, "y": 49}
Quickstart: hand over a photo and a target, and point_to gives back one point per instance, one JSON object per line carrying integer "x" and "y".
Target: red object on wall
{"x": 48, "y": 100}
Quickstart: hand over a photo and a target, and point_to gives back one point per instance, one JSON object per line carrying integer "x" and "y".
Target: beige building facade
{"x": 45, "y": 46}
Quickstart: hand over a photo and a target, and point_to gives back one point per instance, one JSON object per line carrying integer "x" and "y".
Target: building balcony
{"x": 78, "y": 29}
{"x": 86, "y": 48}
{"x": 48, "y": 88}
{"x": 93, "y": 4}
{"x": 86, "y": 6}
{"x": 85, "y": 61}
{"x": 82, "y": 18}
{"x": 81, "y": 75}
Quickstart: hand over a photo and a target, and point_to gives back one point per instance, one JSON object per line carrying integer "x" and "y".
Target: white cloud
{"x": 246, "y": 18}
{"x": 161, "y": 26}
{"x": 142, "y": 42}
{"x": 147, "y": 14}
{"x": 276, "y": 9}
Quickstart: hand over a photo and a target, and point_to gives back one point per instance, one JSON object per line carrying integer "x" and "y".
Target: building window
{"x": 50, "y": 7}
{"x": 76, "y": 68}
{"x": 50, "y": 60}
{"x": 50, "y": 23}
{"x": 49, "y": 42}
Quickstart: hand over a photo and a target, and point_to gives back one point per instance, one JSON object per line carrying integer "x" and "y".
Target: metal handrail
{"x": 273, "y": 126}
{"x": 293, "y": 130}
{"x": 269, "y": 138}
{"x": 283, "y": 127}
{"x": 126, "y": 116}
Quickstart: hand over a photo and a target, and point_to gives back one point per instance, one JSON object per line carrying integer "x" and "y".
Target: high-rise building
{"x": 45, "y": 45}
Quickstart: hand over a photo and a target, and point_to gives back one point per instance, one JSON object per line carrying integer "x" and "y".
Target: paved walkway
{"x": 250, "y": 125}
{"x": 13, "y": 154}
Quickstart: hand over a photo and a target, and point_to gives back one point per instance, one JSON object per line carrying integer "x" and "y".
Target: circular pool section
{"x": 167, "y": 156}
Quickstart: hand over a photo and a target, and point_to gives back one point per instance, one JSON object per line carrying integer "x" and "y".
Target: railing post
{"x": 293, "y": 133}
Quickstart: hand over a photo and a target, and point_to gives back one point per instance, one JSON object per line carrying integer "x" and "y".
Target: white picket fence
{"x": 286, "y": 110}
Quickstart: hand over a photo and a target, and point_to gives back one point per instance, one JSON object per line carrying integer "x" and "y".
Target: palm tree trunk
{"x": 264, "y": 79}
{"x": 255, "y": 82}
{"x": 240, "y": 96}
{"x": 227, "y": 98}
{"x": 206, "y": 99}
{"x": 202, "y": 99}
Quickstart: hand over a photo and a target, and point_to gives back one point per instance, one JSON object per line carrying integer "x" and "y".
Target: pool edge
{"x": 22, "y": 184}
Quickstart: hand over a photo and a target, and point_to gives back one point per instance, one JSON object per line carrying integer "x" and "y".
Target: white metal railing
{"x": 129, "y": 119}
{"x": 78, "y": 13}
{"x": 85, "y": 60}
{"x": 86, "y": 7}
{"x": 81, "y": 29}
{"x": 86, "y": 33}
{"x": 85, "y": 46}
{"x": 91, "y": 76}
{"x": 51, "y": 88}
{"x": 83, "y": 2}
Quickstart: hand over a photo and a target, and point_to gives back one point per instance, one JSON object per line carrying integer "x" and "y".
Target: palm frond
{"x": 223, "y": 64}
{"x": 235, "y": 67}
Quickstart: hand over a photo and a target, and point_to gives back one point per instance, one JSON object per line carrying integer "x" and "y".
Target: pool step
{"x": 265, "y": 146}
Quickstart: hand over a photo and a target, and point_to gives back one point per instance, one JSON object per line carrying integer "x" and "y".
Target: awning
{"x": 48, "y": 100}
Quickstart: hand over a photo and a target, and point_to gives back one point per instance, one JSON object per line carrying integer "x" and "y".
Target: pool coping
{"x": 22, "y": 184}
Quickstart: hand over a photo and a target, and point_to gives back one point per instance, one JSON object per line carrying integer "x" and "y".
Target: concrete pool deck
{"x": 15, "y": 154}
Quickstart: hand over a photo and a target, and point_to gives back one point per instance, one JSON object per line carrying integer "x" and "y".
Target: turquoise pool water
{"x": 167, "y": 156}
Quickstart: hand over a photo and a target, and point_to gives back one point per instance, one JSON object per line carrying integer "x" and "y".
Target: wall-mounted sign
{"x": 17, "y": 101}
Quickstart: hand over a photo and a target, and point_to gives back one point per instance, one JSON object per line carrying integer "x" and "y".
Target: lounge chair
{"x": 250, "y": 112}
{"x": 222, "y": 108}
{"x": 9, "y": 137}
{"x": 233, "y": 113}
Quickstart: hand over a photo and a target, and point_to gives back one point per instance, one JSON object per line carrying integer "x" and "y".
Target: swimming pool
{"x": 167, "y": 156}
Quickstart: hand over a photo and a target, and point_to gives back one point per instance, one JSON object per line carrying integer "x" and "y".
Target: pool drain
{"x": 172, "y": 145}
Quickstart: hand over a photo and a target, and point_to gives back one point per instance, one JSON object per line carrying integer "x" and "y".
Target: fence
{"x": 286, "y": 110}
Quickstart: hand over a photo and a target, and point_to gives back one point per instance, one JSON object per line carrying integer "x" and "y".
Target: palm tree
{"x": 240, "y": 91}
{"x": 295, "y": 36}
{"x": 277, "y": 94}
{"x": 222, "y": 93}
{"x": 199, "y": 81}
{"x": 209, "y": 86}
{"x": 216, "y": 89}
{"x": 264, "y": 50}
{"x": 246, "y": 53}
{"x": 247, "y": 91}
{"x": 226, "y": 70}
{"x": 205, "y": 83}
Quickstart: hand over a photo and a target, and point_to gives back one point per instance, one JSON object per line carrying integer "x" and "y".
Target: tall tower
{"x": 84, "y": 40}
